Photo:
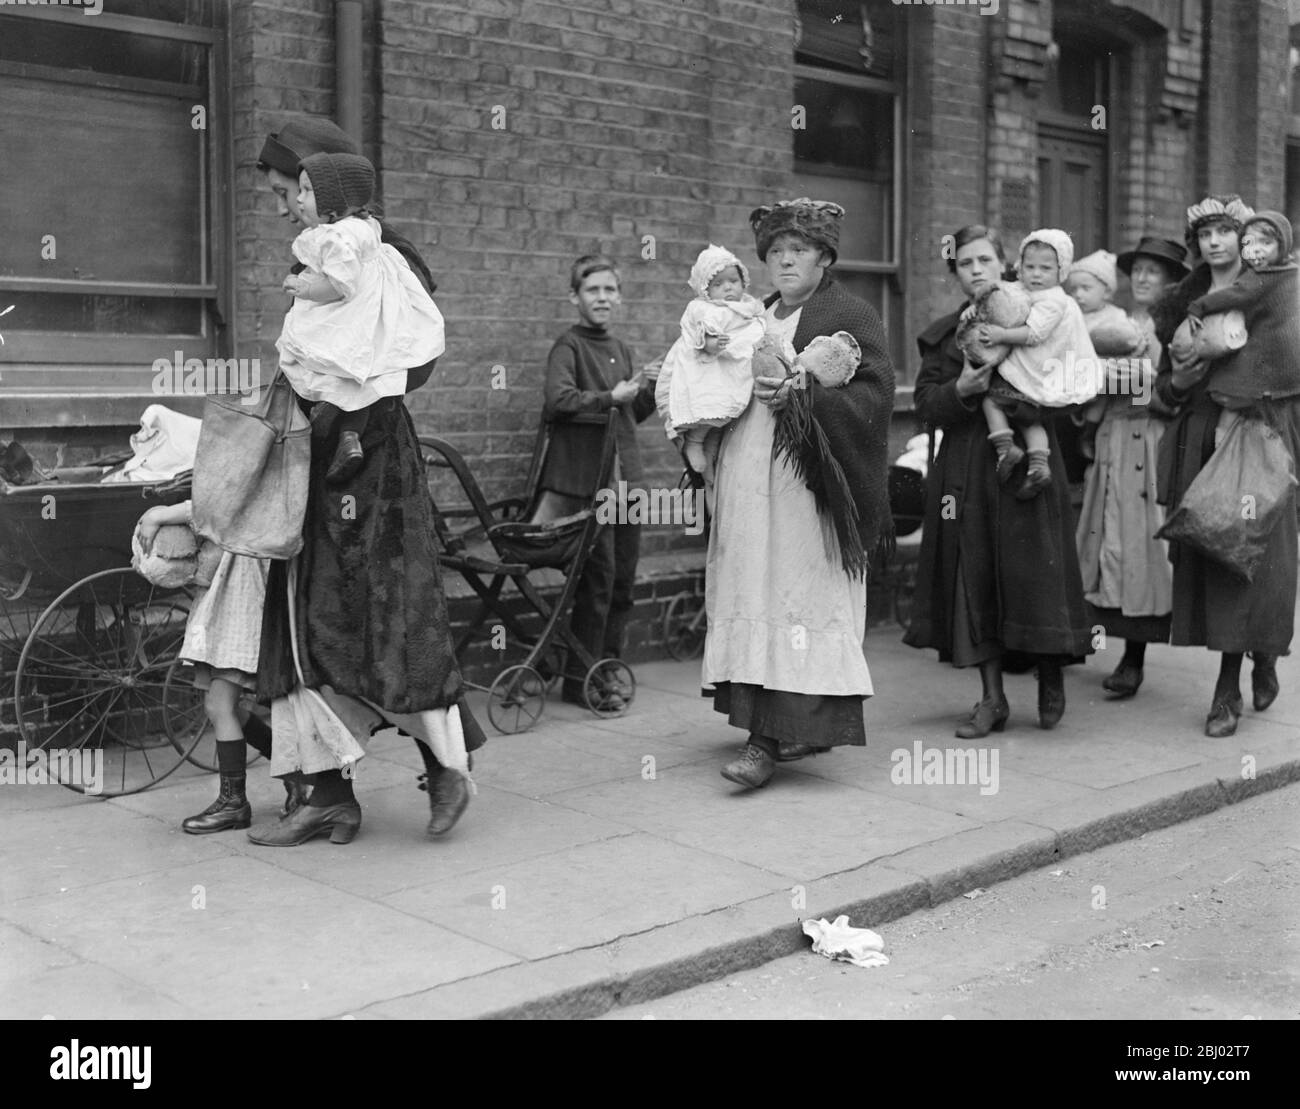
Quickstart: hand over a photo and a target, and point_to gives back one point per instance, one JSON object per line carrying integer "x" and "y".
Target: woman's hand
{"x": 1187, "y": 373}
{"x": 773, "y": 391}
{"x": 973, "y": 380}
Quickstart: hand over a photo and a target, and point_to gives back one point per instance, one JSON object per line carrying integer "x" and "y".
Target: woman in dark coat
{"x": 1212, "y": 607}
{"x": 996, "y": 574}
{"x": 372, "y": 618}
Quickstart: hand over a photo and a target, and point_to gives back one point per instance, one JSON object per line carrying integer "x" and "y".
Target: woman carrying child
{"x": 1212, "y": 606}
{"x": 371, "y": 619}
{"x": 1126, "y": 576}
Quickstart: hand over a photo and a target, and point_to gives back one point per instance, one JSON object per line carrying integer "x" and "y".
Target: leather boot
{"x": 448, "y": 799}
{"x": 230, "y": 810}
{"x": 1051, "y": 694}
{"x": 1264, "y": 686}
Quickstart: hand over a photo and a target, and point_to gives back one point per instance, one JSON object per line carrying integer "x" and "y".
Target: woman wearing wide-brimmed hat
{"x": 786, "y": 590}
{"x": 1127, "y": 580}
{"x": 1211, "y": 606}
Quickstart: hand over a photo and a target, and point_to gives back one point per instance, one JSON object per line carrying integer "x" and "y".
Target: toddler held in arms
{"x": 360, "y": 317}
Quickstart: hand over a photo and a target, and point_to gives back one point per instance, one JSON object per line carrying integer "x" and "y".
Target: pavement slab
{"x": 604, "y": 861}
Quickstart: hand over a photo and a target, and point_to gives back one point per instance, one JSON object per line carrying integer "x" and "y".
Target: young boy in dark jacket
{"x": 588, "y": 372}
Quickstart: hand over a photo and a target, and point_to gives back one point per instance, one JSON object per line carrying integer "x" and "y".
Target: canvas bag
{"x": 251, "y": 472}
{"x": 1215, "y": 518}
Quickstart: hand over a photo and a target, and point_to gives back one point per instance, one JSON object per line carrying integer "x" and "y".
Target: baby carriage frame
{"x": 92, "y": 645}
{"x": 508, "y": 548}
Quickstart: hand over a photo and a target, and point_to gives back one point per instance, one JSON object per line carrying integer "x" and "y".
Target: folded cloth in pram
{"x": 164, "y": 447}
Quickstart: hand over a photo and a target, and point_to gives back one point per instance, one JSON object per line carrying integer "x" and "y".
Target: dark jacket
{"x": 1018, "y": 560}
{"x": 583, "y": 367}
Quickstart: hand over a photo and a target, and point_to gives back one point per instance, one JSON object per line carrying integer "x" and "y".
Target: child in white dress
{"x": 1052, "y": 363}
{"x": 706, "y": 379}
{"x": 360, "y": 318}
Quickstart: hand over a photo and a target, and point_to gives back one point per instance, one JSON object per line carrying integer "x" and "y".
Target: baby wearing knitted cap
{"x": 1093, "y": 281}
{"x": 706, "y": 380}
{"x": 360, "y": 317}
{"x": 1051, "y": 364}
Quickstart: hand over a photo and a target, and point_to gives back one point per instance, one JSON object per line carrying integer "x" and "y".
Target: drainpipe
{"x": 347, "y": 66}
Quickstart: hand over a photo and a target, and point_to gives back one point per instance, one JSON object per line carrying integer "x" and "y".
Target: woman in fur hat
{"x": 1212, "y": 607}
{"x": 797, "y": 516}
{"x": 1126, "y": 576}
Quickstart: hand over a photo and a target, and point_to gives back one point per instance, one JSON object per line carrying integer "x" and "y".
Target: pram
{"x": 499, "y": 546}
{"x": 92, "y": 645}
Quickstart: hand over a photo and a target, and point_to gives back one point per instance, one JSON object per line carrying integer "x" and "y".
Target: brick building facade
{"x": 513, "y": 135}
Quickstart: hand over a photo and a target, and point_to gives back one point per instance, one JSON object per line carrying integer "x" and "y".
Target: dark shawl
{"x": 837, "y": 439}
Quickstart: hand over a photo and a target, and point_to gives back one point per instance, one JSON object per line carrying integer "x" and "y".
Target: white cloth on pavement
{"x": 840, "y": 940}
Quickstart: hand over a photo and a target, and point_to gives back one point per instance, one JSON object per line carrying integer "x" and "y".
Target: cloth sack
{"x": 1219, "y": 334}
{"x": 175, "y": 558}
{"x": 1234, "y": 503}
{"x": 251, "y": 472}
{"x": 164, "y": 446}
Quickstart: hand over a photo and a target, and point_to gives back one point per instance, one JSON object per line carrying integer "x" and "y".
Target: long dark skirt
{"x": 996, "y": 574}
{"x": 372, "y": 616}
{"x": 823, "y": 721}
{"x": 1212, "y": 607}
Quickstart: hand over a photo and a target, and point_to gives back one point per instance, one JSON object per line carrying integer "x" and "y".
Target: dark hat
{"x": 342, "y": 182}
{"x": 1172, "y": 254}
{"x": 818, "y": 221}
{"x": 300, "y": 137}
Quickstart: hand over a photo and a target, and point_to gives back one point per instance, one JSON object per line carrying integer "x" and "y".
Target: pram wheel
{"x": 610, "y": 687}
{"x": 516, "y": 699}
{"x": 684, "y": 626}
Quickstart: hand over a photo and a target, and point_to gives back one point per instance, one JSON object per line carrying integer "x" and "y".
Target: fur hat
{"x": 818, "y": 221}
{"x": 1059, "y": 241}
{"x": 1281, "y": 228}
{"x": 711, "y": 262}
{"x": 299, "y": 137}
{"x": 1101, "y": 265}
{"x": 342, "y": 182}
{"x": 1228, "y": 208}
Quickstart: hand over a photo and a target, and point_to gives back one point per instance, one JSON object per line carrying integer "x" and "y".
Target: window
{"x": 112, "y": 234}
{"x": 849, "y": 149}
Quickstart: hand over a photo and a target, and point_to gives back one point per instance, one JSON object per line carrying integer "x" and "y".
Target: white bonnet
{"x": 1059, "y": 241}
{"x": 711, "y": 262}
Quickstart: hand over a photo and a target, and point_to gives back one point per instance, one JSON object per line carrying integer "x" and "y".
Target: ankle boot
{"x": 230, "y": 810}
{"x": 1051, "y": 694}
{"x": 1264, "y": 686}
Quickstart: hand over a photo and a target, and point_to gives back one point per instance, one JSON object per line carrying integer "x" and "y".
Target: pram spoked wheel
{"x": 609, "y": 676}
{"x": 516, "y": 699}
{"x": 92, "y": 677}
{"x": 685, "y": 626}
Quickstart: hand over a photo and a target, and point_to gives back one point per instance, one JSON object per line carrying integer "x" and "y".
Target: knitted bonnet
{"x": 1101, "y": 265}
{"x": 1059, "y": 241}
{"x": 342, "y": 182}
{"x": 818, "y": 221}
{"x": 711, "y": 262}
{"x": 1281, "y": 228}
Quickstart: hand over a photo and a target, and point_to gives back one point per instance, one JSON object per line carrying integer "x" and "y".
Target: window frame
{"x": 43, "y": 369}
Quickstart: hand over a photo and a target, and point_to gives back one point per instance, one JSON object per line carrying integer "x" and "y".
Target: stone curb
{"x": 639, "y": 968}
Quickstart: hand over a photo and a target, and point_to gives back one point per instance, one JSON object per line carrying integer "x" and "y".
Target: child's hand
{"x": 295, "y": 285}
{"x": 992, "y": 335}
{"x": 625, "y": 391}
{"x": 153, "y": 519}
{"x": 715, "y": 344}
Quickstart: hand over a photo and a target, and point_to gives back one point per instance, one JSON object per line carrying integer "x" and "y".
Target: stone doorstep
{"x": 634, "y": 969}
